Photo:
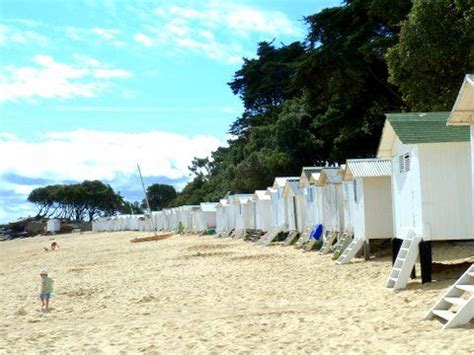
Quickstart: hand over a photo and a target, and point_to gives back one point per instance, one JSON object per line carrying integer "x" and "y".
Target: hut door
{"x": 295, "y": 214}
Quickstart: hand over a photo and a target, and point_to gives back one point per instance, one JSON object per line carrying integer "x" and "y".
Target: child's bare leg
{"x": 47, "y": 303}
{"x": 42, "y": 302}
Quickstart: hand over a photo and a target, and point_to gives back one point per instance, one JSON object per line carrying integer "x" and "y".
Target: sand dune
{"x": 205, "y": 295}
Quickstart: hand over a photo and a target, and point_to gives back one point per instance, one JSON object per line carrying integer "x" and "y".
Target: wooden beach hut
{"x": 313, "y": 204}
{"x": 456, "y": 306}
{"x": 263, "y": 211}
{"x": 462, "y": 114}
{"x": 244, "y": 207}
{"x": 431, "y": 187}
{"x": 222, "y": 225}
{"x": 330, "y": 181}
{"x": 368, "y": 212}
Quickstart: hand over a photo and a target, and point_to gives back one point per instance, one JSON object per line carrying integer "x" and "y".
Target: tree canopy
{"x": 159, "y": 196}
{"x": 435, "y": 51}
{"x": 87, "y": 200}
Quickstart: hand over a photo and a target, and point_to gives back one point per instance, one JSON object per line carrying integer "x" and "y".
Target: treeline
{"x": 91, "y": 199}
{"x": 79, "y": 202}
{"x": 323, "y": 99}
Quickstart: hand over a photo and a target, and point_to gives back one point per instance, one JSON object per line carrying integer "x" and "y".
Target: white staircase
{"x": 456, "y": 307}
{"x": 351, "y": 251}
{"x": 292, "y": 236}
{"x": 239, "y": 234}
{"x": 343, "y": 242}
{"x": 270, "y": 236}
{"x": 405, "y": 262}
{"x": 304, "y": 238}
{"x": 329, "y": 239}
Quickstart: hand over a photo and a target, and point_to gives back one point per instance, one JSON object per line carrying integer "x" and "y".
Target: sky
{"x": 90, "y": 88}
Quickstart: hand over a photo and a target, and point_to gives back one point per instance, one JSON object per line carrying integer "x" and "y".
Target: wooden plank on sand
{"x": 150, "y": 239}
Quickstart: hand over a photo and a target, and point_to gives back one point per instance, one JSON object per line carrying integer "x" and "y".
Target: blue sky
{"x": 89, "y": 88}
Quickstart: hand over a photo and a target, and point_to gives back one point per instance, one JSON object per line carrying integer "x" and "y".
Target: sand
{"x": 189, "y": 294}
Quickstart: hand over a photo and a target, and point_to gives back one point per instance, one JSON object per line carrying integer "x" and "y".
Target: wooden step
{"x": 457, "y": 301}
{"x": 446, "y": 315}
{"x": 468, "y": 288}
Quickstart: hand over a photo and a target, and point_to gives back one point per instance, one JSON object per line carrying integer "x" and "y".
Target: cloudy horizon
{"x": 87, "y": 94}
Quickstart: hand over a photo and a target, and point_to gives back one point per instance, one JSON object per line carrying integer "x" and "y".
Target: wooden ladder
{"x": 305, "y": 237}
{"x": 456, "y": 307}
{"x": 351, "y": 251}
{"x": 329, "y": 239}
{"x": 404, "y": 263}
{"x": 270, "y": 236}
{"x": 292, "y": 237}
{"x": 343, "y": 243}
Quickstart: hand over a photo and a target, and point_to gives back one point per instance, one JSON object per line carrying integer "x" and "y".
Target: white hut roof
{"x": 292, "y": 186}
{"x": 329, "y": 175}
{"x": 281, "y": 181}
{"x": 208, "y": 206}
{"x": 307, "y": 172}
{"x": 463, "y": 109}
{"x": 367, "y": 168}
{"x": 241, "y": 198}
{"x": 261, "y": 195}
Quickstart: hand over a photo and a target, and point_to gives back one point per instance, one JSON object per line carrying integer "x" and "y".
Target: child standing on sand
{"x": 46, "y": 290}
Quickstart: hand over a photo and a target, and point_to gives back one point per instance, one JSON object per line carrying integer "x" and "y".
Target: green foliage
{"x": 324, "y": 100}
{"x": 435, "y": 51}
{"x": 131, "y": 208}
{"x": 88, "y": 199}
{"x": 159, "y": 196}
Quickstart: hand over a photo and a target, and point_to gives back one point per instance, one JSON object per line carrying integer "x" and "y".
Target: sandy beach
{"x": 190, "y": 294}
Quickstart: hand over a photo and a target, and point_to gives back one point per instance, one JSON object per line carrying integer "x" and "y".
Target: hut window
{"x": 240, "y": 209}
{"x": 354, "y": 184}
{"x": 310, "y": 195}
{"x": 404, "y": 162}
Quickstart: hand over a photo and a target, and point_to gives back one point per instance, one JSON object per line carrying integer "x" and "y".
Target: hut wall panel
{"x": 406, "y": 192}
{"x": 446, "y": 190}
{"x": 378, "y": 207}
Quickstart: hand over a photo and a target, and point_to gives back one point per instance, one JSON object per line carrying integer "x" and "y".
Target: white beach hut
{"x": 456, "y": 306}
{"x": 367, "y": 203}
{"x": 294, "y": 199}
{"x": 278, "y": 201}
{"x": 53, "y": 226}
{"x": 245, "y": 218}
{"x": 204, "y": 217}
{"x": 222, "y": 225}
{"x": 263, "y": 211}
{"x": 431, "y": 187}
{"x": 308, "y": 181}
{"x": 462, "y": 114}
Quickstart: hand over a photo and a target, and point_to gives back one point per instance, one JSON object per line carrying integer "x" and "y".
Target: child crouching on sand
{"x": 46, "y": 290}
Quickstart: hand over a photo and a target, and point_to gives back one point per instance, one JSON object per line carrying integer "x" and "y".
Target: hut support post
{"x": 366, "y": 250}
{"x": 396, "y": 245}
{"x": 426, "y": 260}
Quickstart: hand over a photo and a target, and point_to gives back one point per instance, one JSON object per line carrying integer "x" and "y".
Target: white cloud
{"x": 12, "y": 34}
{"x": 243, "y": 19}
{"x": 79, "y": 34}
{"x": 105, "y": 33}
{"x": 51, "y": 79}
{"x": 85, "y": 154}
{"x": 215, "y": 28}
{"x": 144, "y": 39}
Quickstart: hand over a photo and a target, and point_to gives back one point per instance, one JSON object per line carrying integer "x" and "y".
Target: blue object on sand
{"x": 317, "y": 232}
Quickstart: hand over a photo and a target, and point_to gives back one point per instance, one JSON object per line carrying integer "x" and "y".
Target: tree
{"x": 86, "y": 200}
{"x": 434, "y": 53}
{"x": 159, "y": 196}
